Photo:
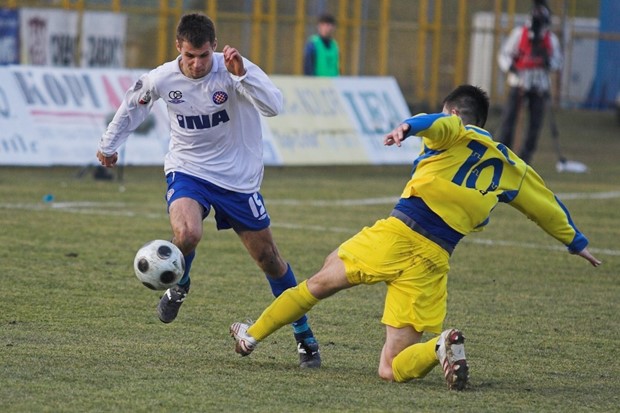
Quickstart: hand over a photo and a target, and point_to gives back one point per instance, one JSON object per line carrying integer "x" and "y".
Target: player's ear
{"x": 215, "y": 44}
{"x": 178, "y": 45}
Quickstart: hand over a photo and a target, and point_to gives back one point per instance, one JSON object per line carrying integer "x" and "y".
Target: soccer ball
{"x": 159, "y": 264}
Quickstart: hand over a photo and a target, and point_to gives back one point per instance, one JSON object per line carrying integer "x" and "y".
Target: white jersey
{"x": 215, "y": 129}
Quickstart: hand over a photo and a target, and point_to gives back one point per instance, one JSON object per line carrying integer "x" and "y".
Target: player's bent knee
{"x": 187, "y": 240}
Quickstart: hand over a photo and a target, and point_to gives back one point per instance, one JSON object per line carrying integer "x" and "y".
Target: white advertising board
{"x": 339, "y": 120}
{"x": 56, "y": 116}
{"x": 314, "y": 127}
{"x": 103, "y": 39}
{"x": 48, "y": 37}
{"x": 375, "y": 106}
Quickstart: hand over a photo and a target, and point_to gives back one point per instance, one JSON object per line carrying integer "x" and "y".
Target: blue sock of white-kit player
{"x": 185, "y": 281}
{"x": 278, "y": 286}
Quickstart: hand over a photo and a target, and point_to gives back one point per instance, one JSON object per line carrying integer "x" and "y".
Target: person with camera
{"x": 528, "y": 56}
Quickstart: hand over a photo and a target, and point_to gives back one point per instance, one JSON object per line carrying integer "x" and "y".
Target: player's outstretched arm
{"x": 397, "y": 135}
{"x": 591, "y": 258}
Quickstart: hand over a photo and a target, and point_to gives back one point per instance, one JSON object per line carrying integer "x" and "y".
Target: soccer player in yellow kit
{"x": 458, "y": 178}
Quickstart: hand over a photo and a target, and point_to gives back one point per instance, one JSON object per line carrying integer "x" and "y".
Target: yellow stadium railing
{"x": 424, "y": 44}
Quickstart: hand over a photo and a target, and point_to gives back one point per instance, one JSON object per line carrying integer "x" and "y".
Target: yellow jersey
{"x": 462, "y": 173}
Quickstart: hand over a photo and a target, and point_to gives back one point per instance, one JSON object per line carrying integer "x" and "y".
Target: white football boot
{"x": 244, "y": 343}
{"x": 451, "y": 355}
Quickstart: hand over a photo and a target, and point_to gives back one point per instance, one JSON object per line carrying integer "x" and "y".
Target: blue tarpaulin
{"x": 606, "y": 82}
{"x": 9, "y": 44}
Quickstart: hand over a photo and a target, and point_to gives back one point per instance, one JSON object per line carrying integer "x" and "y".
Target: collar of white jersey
{"x": 216, "y": 62}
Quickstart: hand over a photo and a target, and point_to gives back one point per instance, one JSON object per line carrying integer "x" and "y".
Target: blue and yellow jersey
{"x": 460, "y": 176}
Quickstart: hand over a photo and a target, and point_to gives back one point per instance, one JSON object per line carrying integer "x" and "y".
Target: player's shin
{"x": 288, "y": 307}
{"x": 415, "y": 362}
{"x": 185, "y": 280}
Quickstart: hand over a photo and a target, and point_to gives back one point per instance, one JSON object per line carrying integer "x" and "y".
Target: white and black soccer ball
{"x": 159, "y": 264}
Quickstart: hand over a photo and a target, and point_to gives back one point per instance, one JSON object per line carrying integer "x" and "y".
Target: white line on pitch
{"x": 393, "y": 200}
{"x": 116, "y": 209}
{"x": 74, "y": 206}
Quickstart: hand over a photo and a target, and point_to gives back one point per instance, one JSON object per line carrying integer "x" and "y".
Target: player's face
{"x": 196, "y": 62}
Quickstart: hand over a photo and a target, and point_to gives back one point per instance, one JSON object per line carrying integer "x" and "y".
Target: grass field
{"x": 79, "y": 333}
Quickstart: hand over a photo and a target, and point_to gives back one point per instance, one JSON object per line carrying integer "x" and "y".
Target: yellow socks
{"x": 288, "y": 307}
{"x": 415, "y": 361}
{"x": 412, "y": 363}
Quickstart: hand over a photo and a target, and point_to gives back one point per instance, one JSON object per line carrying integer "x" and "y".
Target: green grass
{"x": 79, "y": 333}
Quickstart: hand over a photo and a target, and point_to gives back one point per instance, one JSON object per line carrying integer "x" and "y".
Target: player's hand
{"x": 591, "y": 258}
{"x": 107, "y": 161}
{"x": 396, "y": 136}
{"x": 233, "y": 61}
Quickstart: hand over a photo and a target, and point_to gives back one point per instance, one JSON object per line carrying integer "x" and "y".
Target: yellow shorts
{"x": 414, "y": 268}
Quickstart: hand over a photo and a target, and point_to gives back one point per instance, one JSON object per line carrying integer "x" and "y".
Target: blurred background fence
{"x": 429, "y": 46}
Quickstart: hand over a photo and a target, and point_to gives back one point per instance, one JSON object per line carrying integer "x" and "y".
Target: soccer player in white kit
{"x": 215, "y": 156}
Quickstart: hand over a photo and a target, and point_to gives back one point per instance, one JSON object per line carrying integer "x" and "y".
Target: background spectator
{"x": 528, "y": 55}
{"x": 321, "y": 54}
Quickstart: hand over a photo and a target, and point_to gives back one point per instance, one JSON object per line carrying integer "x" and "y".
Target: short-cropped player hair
{"x": 471, "y": 102}
{"x": 197, "y": 29}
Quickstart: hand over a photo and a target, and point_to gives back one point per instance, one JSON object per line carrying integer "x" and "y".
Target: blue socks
{"x": 185, "y": 281}
{"x": 278, "y": 286}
